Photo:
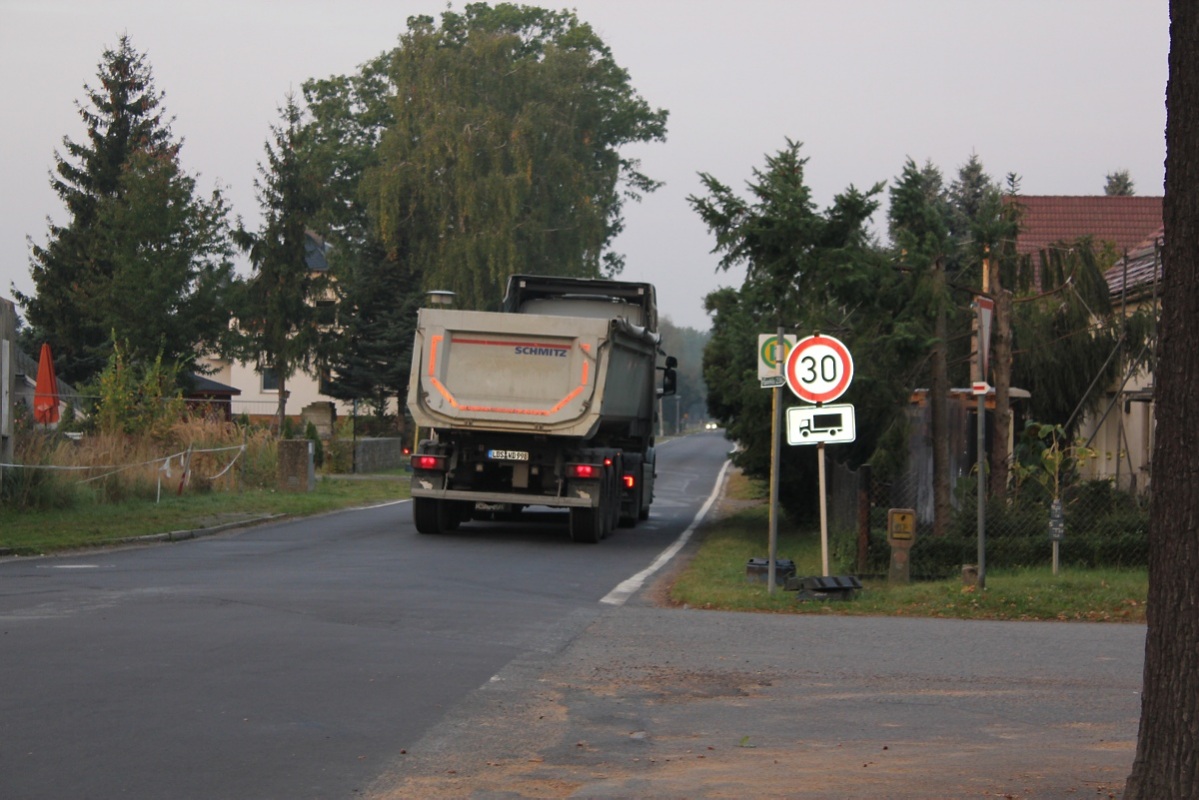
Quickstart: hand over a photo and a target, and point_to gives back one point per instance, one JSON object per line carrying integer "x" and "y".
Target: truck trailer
{"x": 551, "y": 401}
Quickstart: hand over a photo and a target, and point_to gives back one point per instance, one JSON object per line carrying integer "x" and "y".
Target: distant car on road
{"x": 710, "y": 426}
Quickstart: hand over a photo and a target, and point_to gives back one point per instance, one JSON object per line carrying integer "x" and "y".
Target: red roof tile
{"x": 1140, "y": 273}
{"x": 1124, "y": 221}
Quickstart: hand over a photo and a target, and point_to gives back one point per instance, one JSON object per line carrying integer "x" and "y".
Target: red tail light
{"x": 428, "y": 462}
{"x": 629, "y": 480}
{"x": 585, "y": 471}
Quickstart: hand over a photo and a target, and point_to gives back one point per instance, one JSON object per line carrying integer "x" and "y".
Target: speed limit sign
{"x": 819, "y": 369}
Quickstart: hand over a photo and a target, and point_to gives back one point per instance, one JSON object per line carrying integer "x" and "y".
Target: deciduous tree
{"x": 504, "y": 153}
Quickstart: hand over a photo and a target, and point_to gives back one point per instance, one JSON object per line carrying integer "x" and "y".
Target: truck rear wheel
{"x": 430, "y": 516}
{"x": 629, "y": 520}
{"x": 587, "y": 524}
{"x": 615, "y": 477}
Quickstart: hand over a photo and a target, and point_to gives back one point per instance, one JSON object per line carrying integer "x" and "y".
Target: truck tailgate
{"x": 505, "y": 371}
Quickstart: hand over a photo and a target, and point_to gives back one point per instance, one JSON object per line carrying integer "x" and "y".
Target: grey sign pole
{"x": 8, "y": 377}
{"x": 982, "y": 492}
{"x": 776, "y": 433}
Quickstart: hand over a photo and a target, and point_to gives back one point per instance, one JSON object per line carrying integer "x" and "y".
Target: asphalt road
{"x": 297, "y": 659}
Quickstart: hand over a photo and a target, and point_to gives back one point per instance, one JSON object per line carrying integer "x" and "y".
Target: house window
{"x": 270, "y": 380}
{"x": 325, "y": 313}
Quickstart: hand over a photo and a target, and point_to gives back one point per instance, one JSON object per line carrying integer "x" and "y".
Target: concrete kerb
{"x": 184, "y": 535}
{"x": 153, "y": 538}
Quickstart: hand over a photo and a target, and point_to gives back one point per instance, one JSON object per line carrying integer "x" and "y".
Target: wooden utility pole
{"x": 1001, "y": 374}
{"x": 939, "y": 405}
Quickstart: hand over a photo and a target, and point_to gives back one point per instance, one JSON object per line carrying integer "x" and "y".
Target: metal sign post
{"x": 818, "y": 425}
{"x": 982, "y": 489}
{"x": 778, "y": 352}
{"x": 1057, "y": 530}
{"x": 819, "y": 370}
{"x": 985, "y": 306}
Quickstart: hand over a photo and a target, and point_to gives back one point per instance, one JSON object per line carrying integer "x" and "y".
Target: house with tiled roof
{"x": 1121, "y": 431}
{"x": 1122, "y": 222}
{"x": 1130, "y": 227}
{"x": 1139, "y": 272}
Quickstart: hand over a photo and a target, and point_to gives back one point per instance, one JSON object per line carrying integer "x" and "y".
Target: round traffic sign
{"x": 819, "y": 369}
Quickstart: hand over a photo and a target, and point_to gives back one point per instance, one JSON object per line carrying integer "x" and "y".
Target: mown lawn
{"x": 85, "y": 525}
{"x": 716, "y": 578}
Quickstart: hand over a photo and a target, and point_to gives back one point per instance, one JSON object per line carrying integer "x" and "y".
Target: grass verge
{"x": 90, "y": 525}
{"x": 715, "y": 578}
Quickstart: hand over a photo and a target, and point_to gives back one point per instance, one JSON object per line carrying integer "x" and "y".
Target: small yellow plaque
{"x": 901, "y": 524}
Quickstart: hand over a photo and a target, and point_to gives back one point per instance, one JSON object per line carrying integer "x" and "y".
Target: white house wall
{"x": 1123, "y": 441}
{"x": 303, "y": 390}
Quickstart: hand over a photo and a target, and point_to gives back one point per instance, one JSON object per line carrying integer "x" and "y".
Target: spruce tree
{"x": 277, "y": 305}
{"x": 140, "y": 258}
{"x": 1119, "y": 184}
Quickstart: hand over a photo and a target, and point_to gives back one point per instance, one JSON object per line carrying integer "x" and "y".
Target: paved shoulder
{"x": 653, "y": 702}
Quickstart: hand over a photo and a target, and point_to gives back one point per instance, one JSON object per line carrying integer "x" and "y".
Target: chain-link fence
{"x": 1095, "y": 524}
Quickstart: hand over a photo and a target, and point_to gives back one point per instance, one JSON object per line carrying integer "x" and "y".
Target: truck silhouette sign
{"x": 822, "y": 423}
{"x": 818, "y": 424}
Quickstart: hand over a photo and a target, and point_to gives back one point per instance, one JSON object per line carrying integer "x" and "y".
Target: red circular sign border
{"x": 831, "y": 343}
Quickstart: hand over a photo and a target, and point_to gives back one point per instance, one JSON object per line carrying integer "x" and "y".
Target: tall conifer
{"x": 139, "y": 257}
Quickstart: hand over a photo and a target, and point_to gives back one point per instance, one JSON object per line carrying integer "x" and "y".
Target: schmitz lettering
{"x": 532, "y": 350}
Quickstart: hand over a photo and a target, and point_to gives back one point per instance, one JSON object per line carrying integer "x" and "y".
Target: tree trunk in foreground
{"x": 1167, "y": 759}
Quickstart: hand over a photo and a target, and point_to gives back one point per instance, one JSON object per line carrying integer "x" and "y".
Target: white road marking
{"x": 628, "y": 587}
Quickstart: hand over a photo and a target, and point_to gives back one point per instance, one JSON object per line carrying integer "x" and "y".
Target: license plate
{"x": 508, "y": 455}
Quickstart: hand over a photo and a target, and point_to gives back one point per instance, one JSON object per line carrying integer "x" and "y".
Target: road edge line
{"x": 628, "y": 587}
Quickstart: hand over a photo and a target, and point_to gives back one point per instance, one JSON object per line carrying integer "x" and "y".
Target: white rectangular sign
{"x": 769, "y": 356}
{"x": 816, "y": 424}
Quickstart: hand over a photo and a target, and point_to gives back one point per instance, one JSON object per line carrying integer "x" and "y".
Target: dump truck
{"x": 551, "y": 401}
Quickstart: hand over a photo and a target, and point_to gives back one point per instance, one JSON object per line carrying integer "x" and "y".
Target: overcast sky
{"x": 1061, "y": 92}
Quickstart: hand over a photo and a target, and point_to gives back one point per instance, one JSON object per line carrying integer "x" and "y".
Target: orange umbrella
{"x": 45, "y": 394}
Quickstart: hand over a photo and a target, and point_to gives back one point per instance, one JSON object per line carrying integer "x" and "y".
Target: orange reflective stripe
{"x": 536, "y": 412}
{"x": 433, "y": 354}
